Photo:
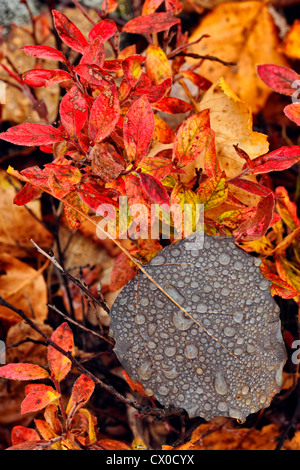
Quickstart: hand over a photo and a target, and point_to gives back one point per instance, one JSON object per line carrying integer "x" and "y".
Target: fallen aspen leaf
{"x": 244, "y": 33}
{"x": 228, "y": 365}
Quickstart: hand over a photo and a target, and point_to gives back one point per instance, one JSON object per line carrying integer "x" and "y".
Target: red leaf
{"x": 106, "y": 162}
{"x": 23, "y": 371}
{"x": 104, "y": 114}
{"x": 27, "y": 194}
{"x": 292, "y": 111}
{"x": 41, "y": 77}
{"x": 172, "y": 105}
{"x": 277, "y": 160}
{"x": 278, "y": 78}
{"x": 256, "y": 226}
{"x": 201, "y": 82}
{"x": 93, "y": 74}
{"x": 154, "y": 93}
{"x": 37, "y": 176}
{"x": 82, "y": 390}
{"x": 32, "y": 134}
{"x": 175, "y": 6}
{"x": 251, "y": 187}
{"x": 94, "y": 53}
{"x": 152, "y": 23}
{"x": 192, "y": 137}
{"x": 132, "y": 68}
{"x": 38, "y": 400}
{"x": 73, "y": 112}
{"x": 45, "y": 52}
{"x": 138, "y": 129}
{"x": 68, "y": 32}
{"x": 60, "y": 365}
{"x": 154, "y": 189}
{"x": 94, "y": 196}
{"x": 123, "y": 271}
{"x": 104, "y": 29}
{"x": 20, "y": 434}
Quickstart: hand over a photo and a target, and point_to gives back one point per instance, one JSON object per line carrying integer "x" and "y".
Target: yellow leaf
{"x": 157, "y": 65}
{"x": 244, "y": 33}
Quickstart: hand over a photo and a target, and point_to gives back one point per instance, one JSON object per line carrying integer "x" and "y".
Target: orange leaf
{"x": 23, "y": 371}
{"x": 59, "y": 364}
{"x": 82, "y": 390}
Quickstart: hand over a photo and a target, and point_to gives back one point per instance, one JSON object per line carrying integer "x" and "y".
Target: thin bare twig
{"x": 82, "y": 327}
{"x": 76, "y": 281}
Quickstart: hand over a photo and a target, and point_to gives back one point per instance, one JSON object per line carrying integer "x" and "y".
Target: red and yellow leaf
{"x": 82, "y": 390}
{"x": 192, "y": 138}
{"x": 38, "y": 400}
{"x": 157, "y": 65}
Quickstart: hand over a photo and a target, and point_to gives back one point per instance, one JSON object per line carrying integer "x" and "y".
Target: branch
{"x": 79, "y": 325}
{"x": 76, "y": 281}
{"x": 143, "y": 410}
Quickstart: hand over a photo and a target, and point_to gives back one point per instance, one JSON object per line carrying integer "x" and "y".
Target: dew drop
{"x": 264, "y": 284}
{"x": 220, "y": 384}
{"x": 222, "y": 406}
{"x": 229, "y": 331}
{"x": 181, "y": 321}
{"x": 171, "y": 373}
{"x": 224, "y": 259}
{"x": 163, "y": 390}
{"x": 144, "y": 301}
{"x": 234, "y": 413}
{"x": 157, "y": 260}
{"x": 191, "y": 351}
{"x": 145, "y": 370}
{"x": 202, "y": 308}
{"x": 175, "y": 295}
{"x": 140, "y": 319}
{"x": 170, "y": 351}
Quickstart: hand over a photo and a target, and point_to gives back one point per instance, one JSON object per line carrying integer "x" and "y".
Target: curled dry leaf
{"x": 220, "y": 354}
{"x": 17, "y": 225}
{"x": 24, "y": 287}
